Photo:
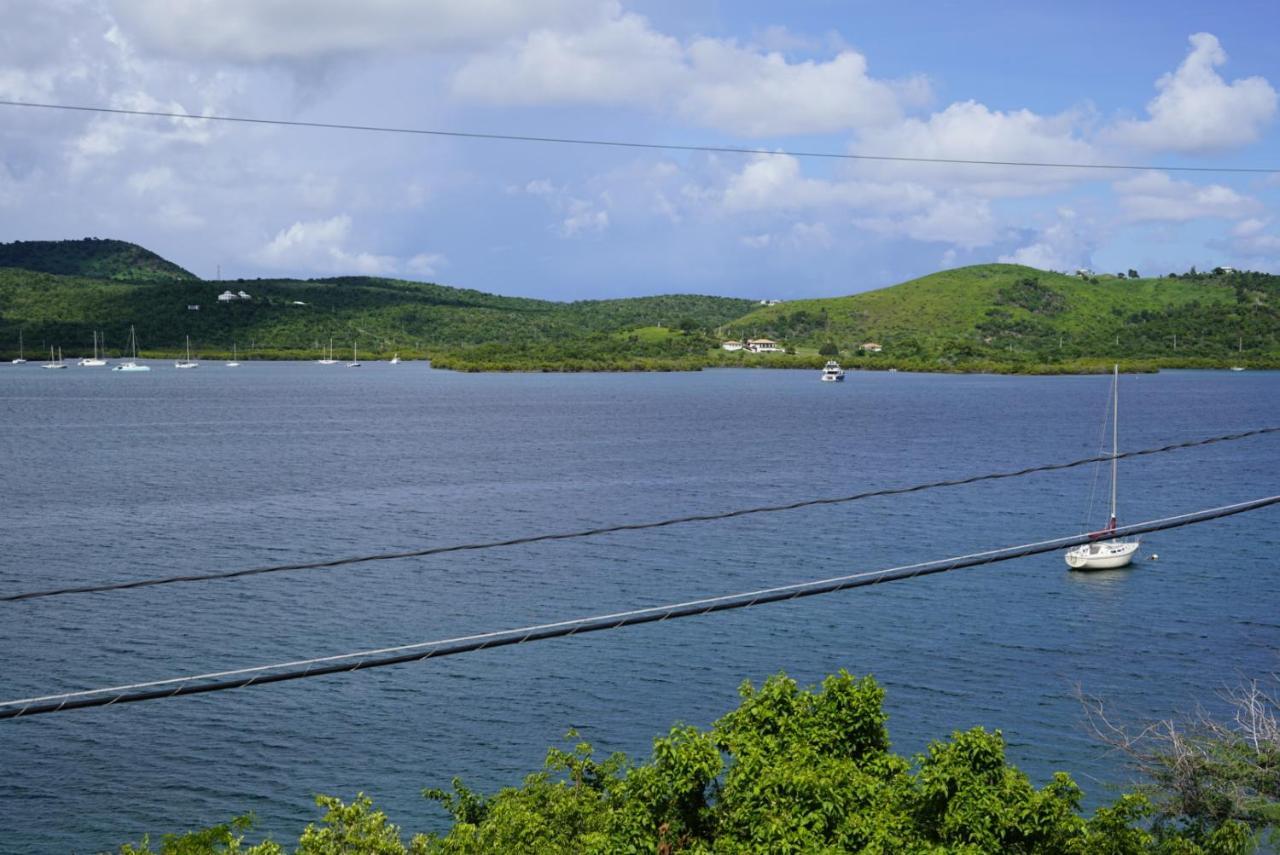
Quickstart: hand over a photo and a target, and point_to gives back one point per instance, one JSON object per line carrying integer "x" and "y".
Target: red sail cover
{"x": 1106, "y": 532}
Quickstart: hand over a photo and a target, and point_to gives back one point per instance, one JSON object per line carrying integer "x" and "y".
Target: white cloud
{"x": 712, "y": 82}
{"x": 1066, "y": 244}
{"x": 964, "y": 221}
{"x": 620, "y": 61}
{"x": 968, "y": 130}
{"x": 1154, "y": 196}
{"x": 774, "y": 182}
{"x": 426, "y": 264}
{"x": 262, "y": 30}
{"x": 1250, "y": 238}
{"x": 583, "y": 217}
{"x": 319, "y": 246}
{"x": 742, "y": 90}
{"x": 1198, "y": 111}
{"x": 801, "y": 236}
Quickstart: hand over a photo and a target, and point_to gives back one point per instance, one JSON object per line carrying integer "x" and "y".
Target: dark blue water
{"x": 109, "y": 476}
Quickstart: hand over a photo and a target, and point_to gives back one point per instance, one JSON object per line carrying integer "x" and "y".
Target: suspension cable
{"x": 594, "y": 532}
{"x": 381, "y": 657}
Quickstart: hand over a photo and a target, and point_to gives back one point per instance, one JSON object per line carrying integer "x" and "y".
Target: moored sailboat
{"x": 132, "y": 364}
{"x": 1105, "y": 551}
{"x": 188, "y": 362}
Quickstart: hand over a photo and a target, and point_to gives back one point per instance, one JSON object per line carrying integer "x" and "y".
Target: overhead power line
{"x": 716, "y": 149}
{"x": 611, "y": 529}
{"x": 381, "y": 657}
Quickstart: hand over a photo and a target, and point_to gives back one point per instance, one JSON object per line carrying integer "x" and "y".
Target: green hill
{"x": 1015, "y": 314}
{"x": 288, "y": 318}
{"x": 995, "y": 317}
{"x": 95, "y": 257}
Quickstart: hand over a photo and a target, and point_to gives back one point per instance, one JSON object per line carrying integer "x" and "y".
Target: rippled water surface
{"x": 115, "y": 476}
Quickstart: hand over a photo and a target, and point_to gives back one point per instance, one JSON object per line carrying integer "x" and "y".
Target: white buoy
{"x": 1153, "y": 557}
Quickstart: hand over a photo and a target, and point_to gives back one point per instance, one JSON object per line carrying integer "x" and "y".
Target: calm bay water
{"x": 109, "y": 476}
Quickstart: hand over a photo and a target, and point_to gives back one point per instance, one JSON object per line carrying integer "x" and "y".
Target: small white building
{"x": 1226, "y": 269}
{"x": 770, "y": 302}
{"x": 244, "y": 296}
{"x": 732, "y": 345}
{"x": 1084, "y": 272}
{"x": 228, "y": 296}
{"x": 193, "y": 307}
{"x": 763, "y": 345}
{"x": 870, "y": 347}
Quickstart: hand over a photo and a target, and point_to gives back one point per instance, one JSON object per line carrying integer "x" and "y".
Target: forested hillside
{"x": 995, "y": 317}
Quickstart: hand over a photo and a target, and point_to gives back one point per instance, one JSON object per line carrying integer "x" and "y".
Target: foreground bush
{"x": 790, "y": 770}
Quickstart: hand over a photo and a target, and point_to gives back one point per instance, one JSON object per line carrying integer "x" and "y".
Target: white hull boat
{"x": 188, "y": 362}
{"x": 54, "y": 363}
{"x": 132, "y": 364}
{"x": 96, "y": 361}
{"x": 832, "y": 372}
{"x": 355, "y": 358}
{"x": 1103, "y": 552}
{"x": 21, "y": 360}
{"x": 328, "y": 360}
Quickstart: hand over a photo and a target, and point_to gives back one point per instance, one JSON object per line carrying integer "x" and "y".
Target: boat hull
{"x": 1106, "y": 555}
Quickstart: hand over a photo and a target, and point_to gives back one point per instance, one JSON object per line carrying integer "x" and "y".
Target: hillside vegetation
{"x": 995, "y": 317}
{"x": 96, "y": 257}
{"x": 1019, "y": 314}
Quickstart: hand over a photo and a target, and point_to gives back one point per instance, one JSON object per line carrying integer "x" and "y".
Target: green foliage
{"x": 995, "y": 317}
{"x": 828, "y": 349}
{"x": 791, "y": 770}
{"x": 104, "y": 259}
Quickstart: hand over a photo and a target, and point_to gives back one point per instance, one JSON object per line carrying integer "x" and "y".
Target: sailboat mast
{"x": 1115, "y": 428}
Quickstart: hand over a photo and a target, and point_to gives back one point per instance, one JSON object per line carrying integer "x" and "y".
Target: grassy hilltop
{"x": 995, "y": 317}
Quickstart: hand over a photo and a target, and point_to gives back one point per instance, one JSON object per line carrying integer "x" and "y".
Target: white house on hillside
{"x": 228, "y": 296}
{"x": 763, "y": 345}
{"x": 732, "y": 345}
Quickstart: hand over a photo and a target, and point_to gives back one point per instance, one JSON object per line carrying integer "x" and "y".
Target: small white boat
{"x": 96, "y": 361}
{"x": 355, "y": 358}
{"x": 395, "y": 360}
{"x": 328, "y": 360}
{"x": 1106, "y": 553}
{"x": 832, "y": 372}
{"x": 132, "y": 364}
{"x": 188, "y": 362}
{"x": 54, "y": 363}
{"x": 233, "y": 363}
{"x": 21, "y": 360}
{"x": 1237, "y": 367}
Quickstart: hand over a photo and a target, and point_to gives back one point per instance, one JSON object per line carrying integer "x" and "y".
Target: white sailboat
{"x": 132, "y": 364}
{"x": 233, "y": 363}
{"x": 1103, "y": 552}
{"x": 355, "y": 357}
{"x": 54, "y": 363}
{"x": 395, "y": 360}
{"x": 96, "y": 361}
{"x": 21, "y": 360}
{"x": 188, "y": 362}
{"x": 328, "y": 359}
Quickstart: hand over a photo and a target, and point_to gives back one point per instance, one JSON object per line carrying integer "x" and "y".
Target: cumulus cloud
{"x": 775, "y": 183}
{"x": 319, "y": 246}
{"x": 1065, "y": 244}
{"x": 964, "y": 221}
{"x": 620, "y": 61}
{"x": 1197, "y": 111}
{"x": 968, "y": 130}
{"x": 799, "y": 236}
{"x": 262, "y": 30}
{"x": 712, "y": 82}
{"x": 1154, "y": 196}
{"x": 1252, "y": 238}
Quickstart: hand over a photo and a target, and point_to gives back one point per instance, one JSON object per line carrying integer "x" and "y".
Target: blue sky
{"x": 1168, "y": 84}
